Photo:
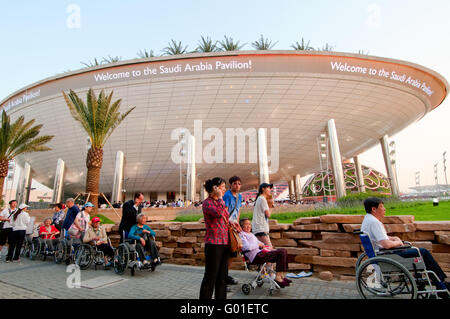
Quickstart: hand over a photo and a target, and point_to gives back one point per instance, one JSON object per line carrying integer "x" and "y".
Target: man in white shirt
{"x": 5, "y": 217}
{"x": 373, "y": 227}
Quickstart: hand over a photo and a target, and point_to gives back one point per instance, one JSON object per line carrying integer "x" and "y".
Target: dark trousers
{"x": 278, "y": 256}
{"x": 429, "y": 261}
{"x": 106, "y": 249}
{"x": 51, "y": 243}
{"x": 150, "y": 246}
{"x": 15, "y": 244}
{"x": 216, "y": 270}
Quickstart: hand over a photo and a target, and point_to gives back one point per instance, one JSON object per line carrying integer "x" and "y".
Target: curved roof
{"x": 296, "y": 92}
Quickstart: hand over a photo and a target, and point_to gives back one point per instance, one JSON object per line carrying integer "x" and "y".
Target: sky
{"x": 40, "y": 39}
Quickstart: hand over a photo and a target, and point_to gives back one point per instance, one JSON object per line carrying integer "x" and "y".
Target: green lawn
{"x": 422, "y": 211}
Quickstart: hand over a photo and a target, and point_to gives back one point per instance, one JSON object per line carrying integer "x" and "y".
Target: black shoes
{"x": 231, "y": 281}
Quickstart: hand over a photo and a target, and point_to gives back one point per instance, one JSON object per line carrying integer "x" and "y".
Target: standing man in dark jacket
{"x": 130, "y": 210}
{"x": 72, "y": 213}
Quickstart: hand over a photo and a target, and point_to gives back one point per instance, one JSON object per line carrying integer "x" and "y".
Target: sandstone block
{"x": 439, "y": 248}
{"x": 156, "y": 225}
{"x": 174, "y": 226}
{"x": 400, "y": 228}
{"x": 423, "y": 244}
{"x": 301, "y": 251}
{"x": 279, "y": 227}
{"x": 183, "y": 251}
{"x": 332, "y": 246}
{"x": 284, "y": 242}
{"x": 415, "y": 236}
{"x": 296, "y": 266}
{"x": 346, "y": 271}
{"x": 442, "y": 257}
{"x": 170, "y": 239}
{"x": 297, "y": 235}
{"x": 326, "y": 275}
{"x": 432, "y": 226}
{"x": 275, "y": 235}
{"x": 306, "y": 220}
{"x": 187, "y": 240}
{"x": 327, "y": 261}
{"x": 167, "y": 252}
{"x": 162, "y": 233}
{"x": 340, "y": 238}
{"x": 193, "y": 226}
{"x": 316, "y": 227}
{"x": 342, "y": 219}
{"x": 350, "y": 228}
{"x": 402, "y": 219}
{"x": 326, "y": 253}
{"x": 273, "y": 222}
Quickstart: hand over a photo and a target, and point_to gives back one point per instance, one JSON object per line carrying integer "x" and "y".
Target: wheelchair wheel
{"x": 84, "y": 256}
{"x": 259, "y": 282}
{"x": 361, "y": 259}
{"x": 121, "y": 258}
{"x": 35, "y": 248}
{"x": 60, "y": 251}
{"x": 381, "y": 277}
{"x": 246, "y": 289}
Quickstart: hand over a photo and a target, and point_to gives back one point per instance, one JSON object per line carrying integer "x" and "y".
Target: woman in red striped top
{"x": 216, "y": 216}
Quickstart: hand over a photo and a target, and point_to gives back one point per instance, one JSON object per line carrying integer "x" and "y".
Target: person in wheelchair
{"x": 48, "y": 233}
{"x": 258, "y": 253}
{"x": 373, "y": 227}
{"x": 143, "y": 234}
{"x": 96, "y": 236}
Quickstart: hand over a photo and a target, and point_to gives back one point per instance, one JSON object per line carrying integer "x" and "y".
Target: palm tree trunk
{"x": 94, "y": 163}
{"x": 2, "y": 201}
{"x": 3, "y": 174}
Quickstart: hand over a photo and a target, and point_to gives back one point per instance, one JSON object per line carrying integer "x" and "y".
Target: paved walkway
{"x": 45, "y": 279}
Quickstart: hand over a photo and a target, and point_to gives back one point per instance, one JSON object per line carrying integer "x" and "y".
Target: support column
{"x": 297, "y": 187}
{"x": 336, "y": 161}
{"x": 359, "y": 175}
{"x": 116, "y": 194}
{"x": 59, "y": 182}
{"x": 291, "y": 190}
{"x": 390, "y": 166}
{"x": 24, "y": 186}
{"x": 203, "y": 193}
{"x": 191, "y": 174}
{"x": 263, "y": 165}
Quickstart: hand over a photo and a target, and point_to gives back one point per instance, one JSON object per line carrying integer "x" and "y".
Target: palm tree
{"x": 175, "y": 48}
{"x": 302, "y": 46}
{"x": 206, "y": 45}
{"x": 362, "y": 52}
{"x": 112, "y": 59}
{"x": 263, "y": 44}
{"x": 229, "y": 45}
{"x": 16, "y": 139}
{"x": 90, "y": 64}
{"x": 99, "y": 118}
{"x": 145, "y": 54}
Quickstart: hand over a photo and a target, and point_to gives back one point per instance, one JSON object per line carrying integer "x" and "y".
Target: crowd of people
{"x": 78, "y": 227}
{"x": 221, "y": 211}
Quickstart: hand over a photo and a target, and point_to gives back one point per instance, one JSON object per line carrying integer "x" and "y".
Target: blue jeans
{"x": 428, "y": 259}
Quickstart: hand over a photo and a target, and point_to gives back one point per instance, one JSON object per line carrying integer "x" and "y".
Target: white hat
{"x": 22, "y": 206}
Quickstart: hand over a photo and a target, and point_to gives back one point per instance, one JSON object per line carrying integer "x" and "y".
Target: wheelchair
{"x": 265, "y": 274}
{"x": 87, "y": 254}
{"x": 384, "y": 274}
{"x": 39, "y": 247}
{"x": 126, "y": 256}
{"x": 26, "y": 247}
{"x": 65, "y": 249}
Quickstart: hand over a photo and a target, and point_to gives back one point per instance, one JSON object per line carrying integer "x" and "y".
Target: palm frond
{"x": 228, "y": 44}
{"x": 174, "y": 48}
{"x": 206, "y": 45}
{"x": 303, "y": 45}
{"x": 99, "y": 116}
{"x": 263, "y": 44}
{"x": 20, "y": 137}
{"x": 145, "y": 54}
